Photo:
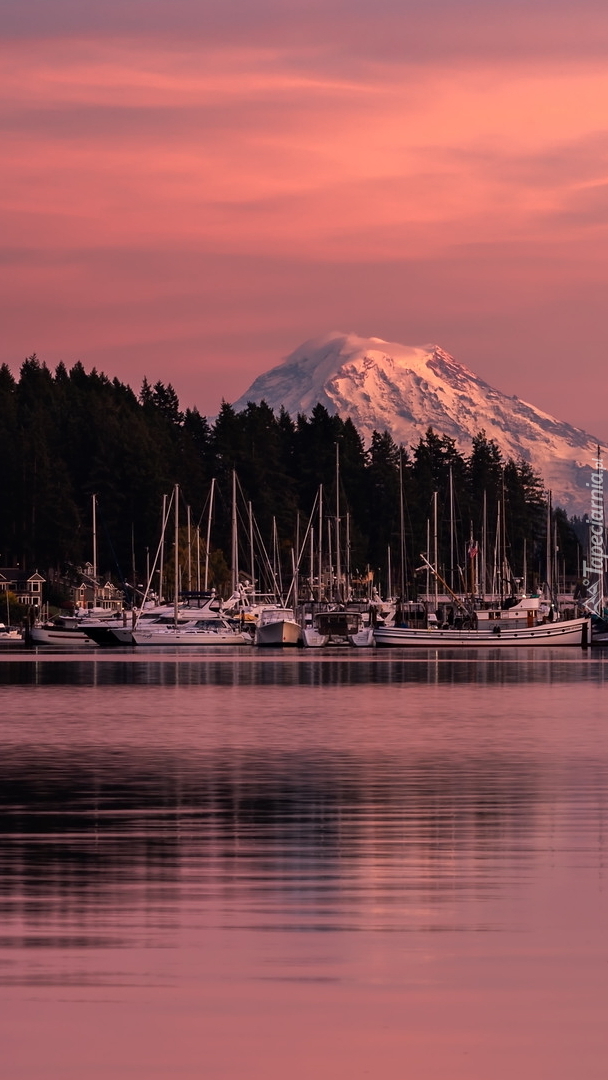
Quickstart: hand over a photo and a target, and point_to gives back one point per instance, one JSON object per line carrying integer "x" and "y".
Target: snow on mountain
{"x": 405, "y": 389}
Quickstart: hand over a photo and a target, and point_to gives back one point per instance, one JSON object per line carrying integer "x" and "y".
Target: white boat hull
{"x": 167, "y": 637}
{"x": 111, "y": 635}
{"x": 569, "y": 632}
{"x": 59, "y": 638}
{"x": 363, "y": 639}
{"x": 313, "y": 639}
{"x": 279, "y": 633}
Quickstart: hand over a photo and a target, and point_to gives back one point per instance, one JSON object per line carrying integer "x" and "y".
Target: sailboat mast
{"x": 176, "y": 553}
{"x": 94, "y": 513}
{"x": 505, "y": 568}
{"x": 401, "y": 524}
{"x": 312, "y": 562}
{"x": 451, "y": 529}
{"x": 484, "y": 535}
{"x": 338, "y": 566}
{"x": 209, "y": 533}
{"x": 331, "y": 569}
{"x": 548, "y": 552}
{"x": 296, "y": 576}
{"x": 435, "y": 549}
{"x": 525, "y": 575}
{"x": 320, "y": 542}
{"x": 162, "y": 550}
{"x": 347, "y": 583}
{"x": 189, "y": 550}
{"x": 428, "y": 557}
{"x": 235, "y": 548}
{"x": 251, "y": 553}
{"x": 497, "y": 555}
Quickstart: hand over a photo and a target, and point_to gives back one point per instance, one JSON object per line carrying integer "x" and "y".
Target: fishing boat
{"x": 277, "y": 626}
{"x": 493, "y": 628}
{"x": 518, "y": 621}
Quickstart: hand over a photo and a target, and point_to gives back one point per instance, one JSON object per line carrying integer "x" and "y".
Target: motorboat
{"x": 10, "y": 635}
{"x": 205, "y": 631}
{"x": 277, "y": 626}
{"x": 64, "y": 631}
{"x": 335, "y": 626}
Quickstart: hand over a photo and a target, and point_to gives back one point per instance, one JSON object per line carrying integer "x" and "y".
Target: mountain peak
{"x": 405, "y": 389}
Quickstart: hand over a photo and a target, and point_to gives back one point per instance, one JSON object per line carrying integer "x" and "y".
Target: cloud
{"x": 349, "y": 30}
{"x": 396, "y": 172}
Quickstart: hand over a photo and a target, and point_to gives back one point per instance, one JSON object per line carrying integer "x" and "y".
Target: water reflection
{"x": 340, "y": 668}
{"x": 286, "y": 866}
{"x": 141, "y": 798}
{"x": 274, "y": 840}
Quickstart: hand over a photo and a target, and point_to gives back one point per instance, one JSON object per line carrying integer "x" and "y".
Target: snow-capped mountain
{"x": 406, "y": 389}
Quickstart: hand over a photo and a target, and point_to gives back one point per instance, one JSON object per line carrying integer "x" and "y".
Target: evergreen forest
{"x": 66, "y": 435}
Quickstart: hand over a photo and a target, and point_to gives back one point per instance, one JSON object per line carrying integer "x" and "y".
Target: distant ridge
{"x": 405, "y": 389}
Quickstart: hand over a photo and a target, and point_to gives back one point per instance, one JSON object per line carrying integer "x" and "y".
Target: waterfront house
{"x": 25, "y": 585}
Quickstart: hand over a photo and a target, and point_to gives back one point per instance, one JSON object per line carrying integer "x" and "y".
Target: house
{"x": 85, "y": 594}
{"x": 27, "y": 587}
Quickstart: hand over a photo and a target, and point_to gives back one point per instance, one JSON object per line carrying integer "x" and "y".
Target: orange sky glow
{"x": 189, "y": 201}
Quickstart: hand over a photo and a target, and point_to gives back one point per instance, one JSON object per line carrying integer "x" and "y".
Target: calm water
{"x": 385, "y": 864}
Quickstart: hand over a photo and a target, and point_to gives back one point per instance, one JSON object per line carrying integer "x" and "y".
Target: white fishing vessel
{"x": 495, "y": 628}
{"x": 277, "y": 626}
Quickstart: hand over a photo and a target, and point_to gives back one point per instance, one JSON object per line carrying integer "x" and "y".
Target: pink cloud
{"x": 160, "y": 196}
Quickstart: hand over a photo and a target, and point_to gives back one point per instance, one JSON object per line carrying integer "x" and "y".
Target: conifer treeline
{"x": 65, "y": 435}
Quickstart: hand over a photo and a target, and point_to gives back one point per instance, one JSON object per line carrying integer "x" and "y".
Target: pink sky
{"x": 189, "y": 190}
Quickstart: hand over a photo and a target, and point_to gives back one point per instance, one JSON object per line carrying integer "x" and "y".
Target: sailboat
{"x": 71, "y": 631}
{"x": 188, "y": 627}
